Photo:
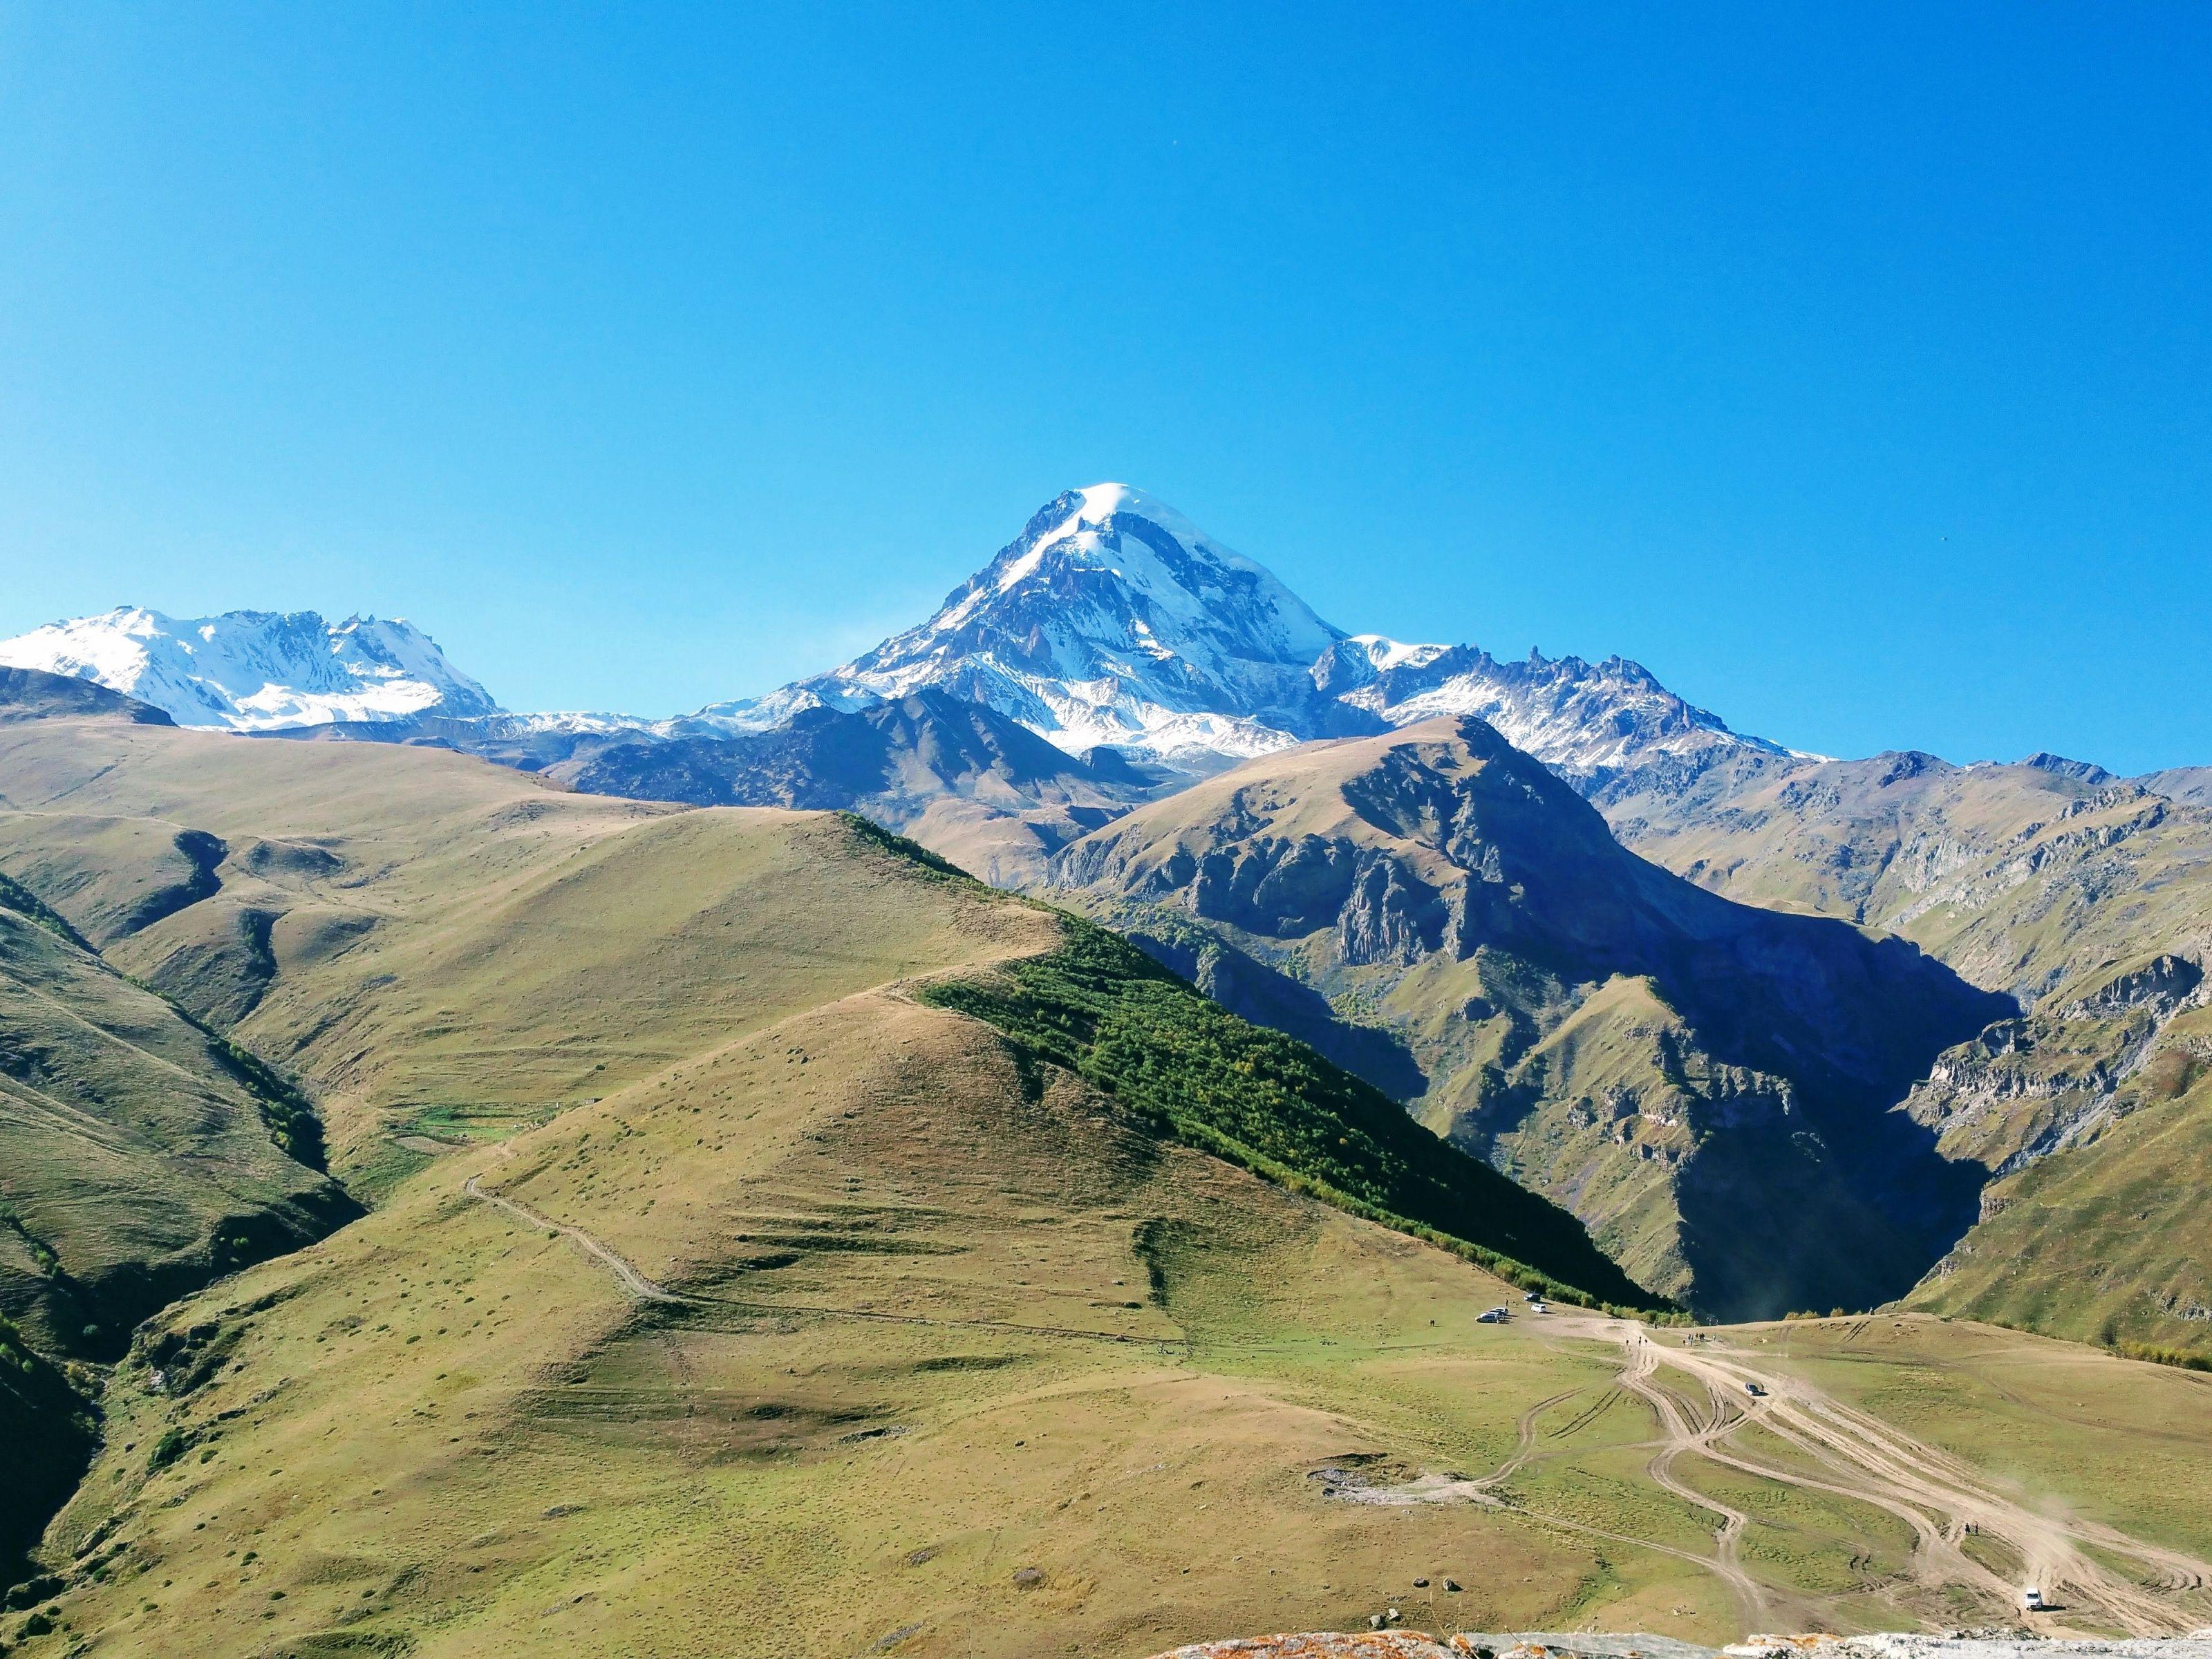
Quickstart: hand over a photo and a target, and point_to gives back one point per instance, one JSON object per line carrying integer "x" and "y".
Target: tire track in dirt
{"x": 1525, "y": 1431}
{"x": 1939, "y": 1495}
{"x": 1684, "y": 1436}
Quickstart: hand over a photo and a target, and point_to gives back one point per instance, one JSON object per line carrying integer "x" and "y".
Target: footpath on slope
{"x": 643, "y": 1289}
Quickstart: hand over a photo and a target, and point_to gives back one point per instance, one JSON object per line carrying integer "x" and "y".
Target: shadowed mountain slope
{"x": 1706, "y": 1084}
{"x": 2090, "y": 898}
{"x": 977, "y": 786}
{"x": 30, "y": 694}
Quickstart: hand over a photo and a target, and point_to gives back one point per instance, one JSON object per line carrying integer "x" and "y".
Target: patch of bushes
{"x": 1105, "y": 1010}
{"x": 886, "y": 841}
{"x": 42, "y": 1253}
{"x": 290, "y": 1117}
{"x": 294, "y": 1123}
{"x": 2156, "y": 1355}
{"x": 173, "y": 1444}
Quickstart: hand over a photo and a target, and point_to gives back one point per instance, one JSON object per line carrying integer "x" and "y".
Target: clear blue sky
{"x": 1849, "y": 366}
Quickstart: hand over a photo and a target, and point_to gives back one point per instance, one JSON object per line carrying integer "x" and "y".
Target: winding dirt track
{"x": 632, "y": 1280}
{"x": 1682, "y": 1435}
{"x": 1939, "y": 1496}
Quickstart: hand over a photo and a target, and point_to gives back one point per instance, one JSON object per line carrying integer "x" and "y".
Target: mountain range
{"x": 256, "y": 670}
{"x": 475, "y": 1180}
{"x": 1111, "y": 621}
{"x": 743, "y": 1233}
{"x": 1067, "y": 706}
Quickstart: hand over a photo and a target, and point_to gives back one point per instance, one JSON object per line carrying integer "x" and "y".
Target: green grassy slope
{"x": 139, "y": 1159}
{"x": 138, "y": 1153}
{"x": 369, "y": 914}
{"x": 1105, "y": 1010}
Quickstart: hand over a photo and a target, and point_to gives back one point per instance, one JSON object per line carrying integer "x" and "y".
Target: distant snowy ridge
{"x": 257, "y": 670}
{"x": 1579, "y": 718}
{"x": 1112, "y": 619}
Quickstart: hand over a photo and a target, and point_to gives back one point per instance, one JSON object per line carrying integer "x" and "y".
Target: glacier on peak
{"x": 252, "y": 671}
{"x": 1113, "y": 620}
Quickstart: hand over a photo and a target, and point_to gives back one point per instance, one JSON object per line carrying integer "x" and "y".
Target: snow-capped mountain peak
{"x": 1110, "y": 619}
{"x": 1164, "y": 588}
{"x": 1113, "y": 619}
{"x": 252, "y": 671}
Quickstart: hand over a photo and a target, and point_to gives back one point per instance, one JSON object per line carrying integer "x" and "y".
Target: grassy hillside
{"x": 138, "y": 1153}
{"x": 959, "y": 1364}
{"x": 2111, "y": 1240}
{"x": 726, "y": 1297}
{"x": 1705, "y": 1085}
{"x": 432, "y": 942}
{"x": 139, "y": 1158}
{"x": 1103, "y": 1009}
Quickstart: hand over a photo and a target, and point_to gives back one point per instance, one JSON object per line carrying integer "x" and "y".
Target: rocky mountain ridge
{"x": 1708, "y": 1086}
{"x": 1111, "y": 620}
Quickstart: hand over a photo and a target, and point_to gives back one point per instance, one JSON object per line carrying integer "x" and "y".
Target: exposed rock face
{"x": 1684, "y": 1072}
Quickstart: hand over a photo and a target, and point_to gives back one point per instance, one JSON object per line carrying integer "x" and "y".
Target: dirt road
{"x": 1861, "y": 1457}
